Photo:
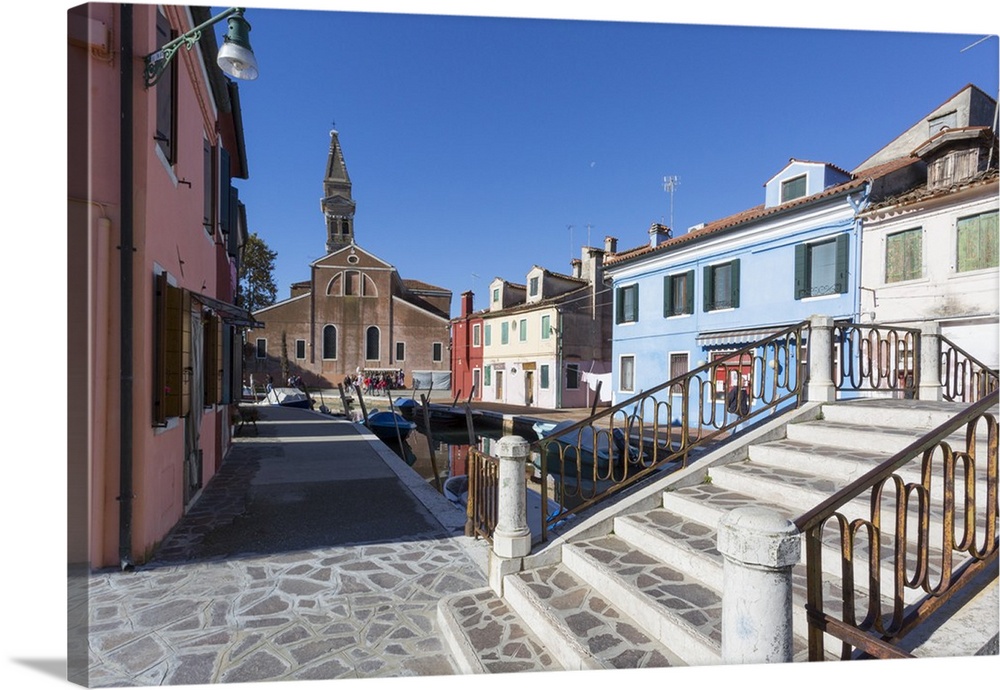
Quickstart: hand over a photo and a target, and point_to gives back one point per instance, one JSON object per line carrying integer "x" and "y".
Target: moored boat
{"x": 389, "y": 426}
{"x": 287, "y": 397}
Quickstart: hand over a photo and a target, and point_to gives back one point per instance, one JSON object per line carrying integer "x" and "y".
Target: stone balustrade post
{"x": 759, "y": 547}
{"x": 821, "y": 387}
{"x": 511, "y": 537}
{"x": 930, "y": 362}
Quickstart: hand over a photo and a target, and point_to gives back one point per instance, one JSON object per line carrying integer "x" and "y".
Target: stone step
{"x": 664, "y": 601}
{"x": 846, "y": 465}
{"x": 576, "y": 622}
{"x": 486, "y": 636}
{"x": 687, "y": 525}
{"x": 871, "y": 437}
{"x": 903, "y": 414}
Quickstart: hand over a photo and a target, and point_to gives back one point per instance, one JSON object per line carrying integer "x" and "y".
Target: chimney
{"x": 466, "y": 302}
{"x": 576, "y": 265}
{"x": 658, "y": 234}
{"x": 610, "y": 245}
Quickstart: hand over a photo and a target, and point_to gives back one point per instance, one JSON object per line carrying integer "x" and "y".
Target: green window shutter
{"x": 843, "y": 247}
{"x": 487, "y": 333}
{"x": 706, "y": 289}
{"x": 619, "y": 305}
{"x": 689, "y": 292}
{"x": 801, "y": 271}
{"x": 668, "y": 296}
{"x": 734, "y": 285}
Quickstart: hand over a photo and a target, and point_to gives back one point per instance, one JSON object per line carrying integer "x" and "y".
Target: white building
{"x": 930, "y": 250}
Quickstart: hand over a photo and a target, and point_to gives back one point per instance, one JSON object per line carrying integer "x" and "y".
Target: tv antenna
{"x": 571, "y": 250}
{"x": 670, "y": 183}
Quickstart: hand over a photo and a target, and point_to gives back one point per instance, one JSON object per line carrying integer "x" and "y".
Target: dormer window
{"x": 793, "y": 188}
{"x": 533, "y": 287}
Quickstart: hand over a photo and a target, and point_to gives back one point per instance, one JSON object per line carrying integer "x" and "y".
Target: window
{"x": 436, "y": 351}
{"x": 533, "y": 289}
{"x": 400, "y": 351}
{"x": 821, "y": 267}
{"x": 522, "y": 330}
{"x": 261, "y": 348}
{"x": 793, "y": 188}
{"x": 329, "y": 342}
{"x": 488, "y": 376}
{"x": 626, "y": 373}
{"x": 904, "y": 255}
{"x": 300, "y": 349}
{"x": 721, "y": 289}
{"x": 352, "y": 283}
{"x": 543, "y": 376}
{"x": 678, "y": 367}
{"x": 627, "y": 304}
{"x": 678, "y": 294}
{"x": 496, "y": 294}
{"x": 546, "y": 327}
{"x": 476, "y": 331}
{"x": 209, "y": 187}
{"x": 573, "y": 376}
{"x": 487, "y": 330}
{"x": 977, "y": 242}
{"x": 372, "y": 344}
{"x": 166, "y": 96}
{"x": 171, "y": 351}
{"x": 504, "y": 333}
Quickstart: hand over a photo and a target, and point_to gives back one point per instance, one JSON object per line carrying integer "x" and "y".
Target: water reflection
{"x": 442, "y": 448}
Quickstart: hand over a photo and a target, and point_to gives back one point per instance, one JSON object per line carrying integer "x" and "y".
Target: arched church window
{"x": 372, "y": 337}
{"x": 329, "y": 342}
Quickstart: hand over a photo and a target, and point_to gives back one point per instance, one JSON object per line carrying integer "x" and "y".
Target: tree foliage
{"x": 256, "y": 275}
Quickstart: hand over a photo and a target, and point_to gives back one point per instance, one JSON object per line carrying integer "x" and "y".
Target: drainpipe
{"x": 859, "y": 207}
{"x": 559, "y": 361}
{"x": 126, "y": 249}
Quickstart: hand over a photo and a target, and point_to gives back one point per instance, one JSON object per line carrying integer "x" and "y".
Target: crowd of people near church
{"x": 376, "y": 382}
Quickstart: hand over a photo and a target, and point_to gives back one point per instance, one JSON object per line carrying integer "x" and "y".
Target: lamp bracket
{"x": 158, "y": 60}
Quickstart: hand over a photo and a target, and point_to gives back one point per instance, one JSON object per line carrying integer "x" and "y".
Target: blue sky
{"x": 481, "y": 146}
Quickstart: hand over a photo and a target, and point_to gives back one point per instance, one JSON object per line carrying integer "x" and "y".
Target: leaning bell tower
{"x": 337, "y": 203}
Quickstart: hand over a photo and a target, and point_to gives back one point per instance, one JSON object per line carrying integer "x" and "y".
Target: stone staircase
{"x": 639, "y": 584}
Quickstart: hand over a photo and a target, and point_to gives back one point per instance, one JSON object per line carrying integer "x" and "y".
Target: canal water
{"x": 443, "y": 450}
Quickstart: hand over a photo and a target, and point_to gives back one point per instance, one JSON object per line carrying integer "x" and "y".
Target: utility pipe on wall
{"x": 126, "y": 291}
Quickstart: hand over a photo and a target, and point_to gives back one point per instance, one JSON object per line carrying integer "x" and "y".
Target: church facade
{"x": 355, "y": 314}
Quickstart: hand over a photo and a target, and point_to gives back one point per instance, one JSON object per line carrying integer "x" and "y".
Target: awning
{"x": 230, "y": 313}
{"x": 737, "y": 337}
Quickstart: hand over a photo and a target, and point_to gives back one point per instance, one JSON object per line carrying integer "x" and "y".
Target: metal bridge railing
{"x": 659, "y": 429}
{"x": 929, "y": 536}
{"x": 876, "y": 358}
{"x": 963, "y": 377}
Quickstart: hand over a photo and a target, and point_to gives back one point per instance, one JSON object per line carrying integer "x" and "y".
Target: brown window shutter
{"x": 173, "y": 366}
{"x": 159, "y": 342}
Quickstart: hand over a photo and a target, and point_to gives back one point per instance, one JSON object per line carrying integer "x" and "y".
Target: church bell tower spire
{"x": 337, "y": 203}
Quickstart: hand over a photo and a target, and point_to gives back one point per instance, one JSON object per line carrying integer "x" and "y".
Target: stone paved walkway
{"x": 241, "y": 592}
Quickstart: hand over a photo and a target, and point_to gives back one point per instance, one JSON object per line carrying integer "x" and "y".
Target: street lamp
{"x": 235, "y": 56}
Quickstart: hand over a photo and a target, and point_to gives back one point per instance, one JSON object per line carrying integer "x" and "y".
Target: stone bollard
{"x": 512, "y": 537}
{"x": 759, "y": 547}
{"x": 929, "y": 367}
{"x": 821, "y": 387}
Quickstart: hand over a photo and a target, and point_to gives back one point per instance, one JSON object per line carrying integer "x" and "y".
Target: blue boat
{"x": 389, "y": 426}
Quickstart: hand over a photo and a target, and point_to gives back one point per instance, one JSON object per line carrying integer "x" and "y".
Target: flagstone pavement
{"x": 314, "y": 553}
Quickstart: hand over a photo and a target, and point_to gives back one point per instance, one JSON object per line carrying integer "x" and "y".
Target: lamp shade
{"x": 235, "y": 56}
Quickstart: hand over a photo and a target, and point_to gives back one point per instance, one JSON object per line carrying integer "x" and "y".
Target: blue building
{"x": 681, "y": 302}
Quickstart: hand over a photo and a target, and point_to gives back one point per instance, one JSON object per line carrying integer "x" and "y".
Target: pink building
{"x": 155, "y": 233}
